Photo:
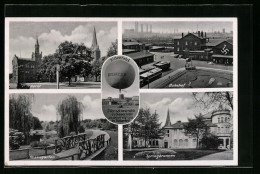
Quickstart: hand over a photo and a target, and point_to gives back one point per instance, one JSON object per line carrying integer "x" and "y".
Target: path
{"x": 225, "y": 155}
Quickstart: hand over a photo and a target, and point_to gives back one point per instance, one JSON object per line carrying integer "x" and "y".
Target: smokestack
{"x": 141, "y": 28}
{"x": 201, "y": 33}
{"x": 150, "y": 28}
{"x": 205, "y": 34}
{"x": 147, "y": 28}
{"x": 136, "y": 27}
{"x": 181, "y": 35}
{"x": 198, "y": 33}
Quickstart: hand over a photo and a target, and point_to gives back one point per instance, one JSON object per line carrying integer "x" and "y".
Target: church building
{"x": 26, "y": 69}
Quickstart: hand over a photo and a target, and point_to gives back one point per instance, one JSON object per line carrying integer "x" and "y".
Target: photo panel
{"x": 181, "y": 53}
{"x": 46, "y": 54}
{"x": 190, "y": 126}
{"x": 56, "y": 127}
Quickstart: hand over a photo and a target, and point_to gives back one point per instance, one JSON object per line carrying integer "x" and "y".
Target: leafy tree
{"x": 145, "y": 126}
{"x": 74, "y": 59}
{"x": 96, "y": 69}
{"x": 112, "y": 50}
{"x": 20, "y": 113}
{"x": 36, "y": 123}
{"x": 196, "y": 127}
{"x": 70, "y": 111}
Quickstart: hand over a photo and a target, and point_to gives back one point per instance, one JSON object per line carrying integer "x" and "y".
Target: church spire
{"x": 168, "y": 120}
{"x": 94, "y": 40}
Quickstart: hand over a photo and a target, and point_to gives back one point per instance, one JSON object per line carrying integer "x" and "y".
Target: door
{"x": 166, "y": 144}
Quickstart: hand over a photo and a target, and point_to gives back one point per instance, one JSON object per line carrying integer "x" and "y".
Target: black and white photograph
{"x": 59, "y": 54}
{"x": 120, "y": 89}
{"x": 60, "y": 127}
{"x": 181, "y": 54}
{"x": 181, "y": 126}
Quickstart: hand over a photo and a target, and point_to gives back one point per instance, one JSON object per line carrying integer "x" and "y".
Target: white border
{"x": 120, "y": 161}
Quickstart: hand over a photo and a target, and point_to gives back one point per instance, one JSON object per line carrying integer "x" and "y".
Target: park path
{"x": 225, "y": 155}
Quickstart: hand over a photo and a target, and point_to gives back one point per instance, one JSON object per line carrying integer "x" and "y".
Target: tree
{"x": 96, "y": 69}
{"x": 112, "y": 50}
{"x": 209, "y": 100}
{"x": 20, "y": 113}
{"x": 74, "y": 59}
{"x": 146, "y": 126}
{"x": 70, "y": 111}
{"x": 196, "y": 127}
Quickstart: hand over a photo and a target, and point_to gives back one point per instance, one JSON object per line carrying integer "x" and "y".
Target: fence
{"x": 79, "y": 146}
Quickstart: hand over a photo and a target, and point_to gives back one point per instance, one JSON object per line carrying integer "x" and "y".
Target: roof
{"x": 222, "y": 56}
{"x": 215, "y": 42}
{"x": 139, "y": 55}
{"x": 168, "y": 120}
{"x": 128, "y": 50}
{"x": 25, "y": 59}
{"x": 130, "y": 43}
{"x": 208, "y": 115}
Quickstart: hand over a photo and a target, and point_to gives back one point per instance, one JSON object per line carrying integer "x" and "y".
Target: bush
{"x": 81, "y": 129}
{"x": 39, "y": 144}
{"x": 210, "y": 142}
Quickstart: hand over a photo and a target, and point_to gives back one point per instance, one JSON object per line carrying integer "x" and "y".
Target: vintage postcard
{"x": 121, "y": 92}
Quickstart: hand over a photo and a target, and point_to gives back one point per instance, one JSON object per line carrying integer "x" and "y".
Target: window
{"x": 222, "y": 120}
{"x": 175, "y": 143}
{"x": 180, "y": 142}
{"x": 178, "y": 49}
{"x": 186, "y": 142}
{"x": 186, "y": 43}
{"x": 218, "y": 120}
{"x": 195, "y": 43}
{"x": 178, "y": 43}
{"x": 156, "y": 142}
{"x": 226, "y": 119}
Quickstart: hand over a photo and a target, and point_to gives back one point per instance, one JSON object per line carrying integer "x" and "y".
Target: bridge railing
{"x": 69, "y": 142}
{"x": 85, "y": 146}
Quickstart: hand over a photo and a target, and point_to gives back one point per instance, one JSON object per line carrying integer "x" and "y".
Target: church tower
{"x": 94, "y": 47}
{"x": 37, "y": 56}
{"x": 168, "y": 120}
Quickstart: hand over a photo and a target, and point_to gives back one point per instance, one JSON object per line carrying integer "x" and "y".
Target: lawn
{"x": 111, "y": 153}
{"x": 201, "y": 78}
{"x": 167, "y": 154}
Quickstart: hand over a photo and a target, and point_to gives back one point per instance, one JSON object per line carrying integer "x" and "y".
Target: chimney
{"x": 198, "y": 33}
{"x": 205, "y": 34}
{"x": 142, "y": 28}
{"x": 201, "y": 33}
{"x": 181, "y": 35}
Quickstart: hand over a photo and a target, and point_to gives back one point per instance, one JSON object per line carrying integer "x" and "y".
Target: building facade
{"x": 26, "y": 69}
{"x": 219, "y": 123}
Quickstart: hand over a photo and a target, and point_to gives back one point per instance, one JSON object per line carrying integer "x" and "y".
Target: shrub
{"x": 210, "y": 142}
{"x": 39, "y": 144}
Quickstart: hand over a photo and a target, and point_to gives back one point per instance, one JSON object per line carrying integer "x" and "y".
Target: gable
{"x": 224, "y": 44}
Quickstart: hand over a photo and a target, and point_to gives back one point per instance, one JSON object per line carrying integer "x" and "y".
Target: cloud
{"x": 46, "y": 113}
{"x": 49, "y": 41}
{"x": 92, "y": 108}
{"x": 180, "y": 109}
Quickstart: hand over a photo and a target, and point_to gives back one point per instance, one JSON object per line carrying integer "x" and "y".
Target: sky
{"x": 181, "y": 106}
{"x": 45, "y": 105}
{"x": 22, "y": 36}
{"x": 184, "y": 27}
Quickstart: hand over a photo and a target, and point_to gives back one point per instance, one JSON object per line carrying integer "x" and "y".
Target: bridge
{"x": 80, "y": 147}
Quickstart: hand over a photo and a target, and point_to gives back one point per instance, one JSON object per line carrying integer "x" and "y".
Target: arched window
{"x": 222, "y": 120}
{"x": 186, "y": 143}
{"x": 218, "y": 120}
{"x": 181, "y": 142}
{"x": 186, "y": 43}
{"x": 175, "y": 143}
{"x": 225, "y": 119}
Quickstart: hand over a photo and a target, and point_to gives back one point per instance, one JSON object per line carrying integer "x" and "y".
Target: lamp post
{"x": 57, "y": 75}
